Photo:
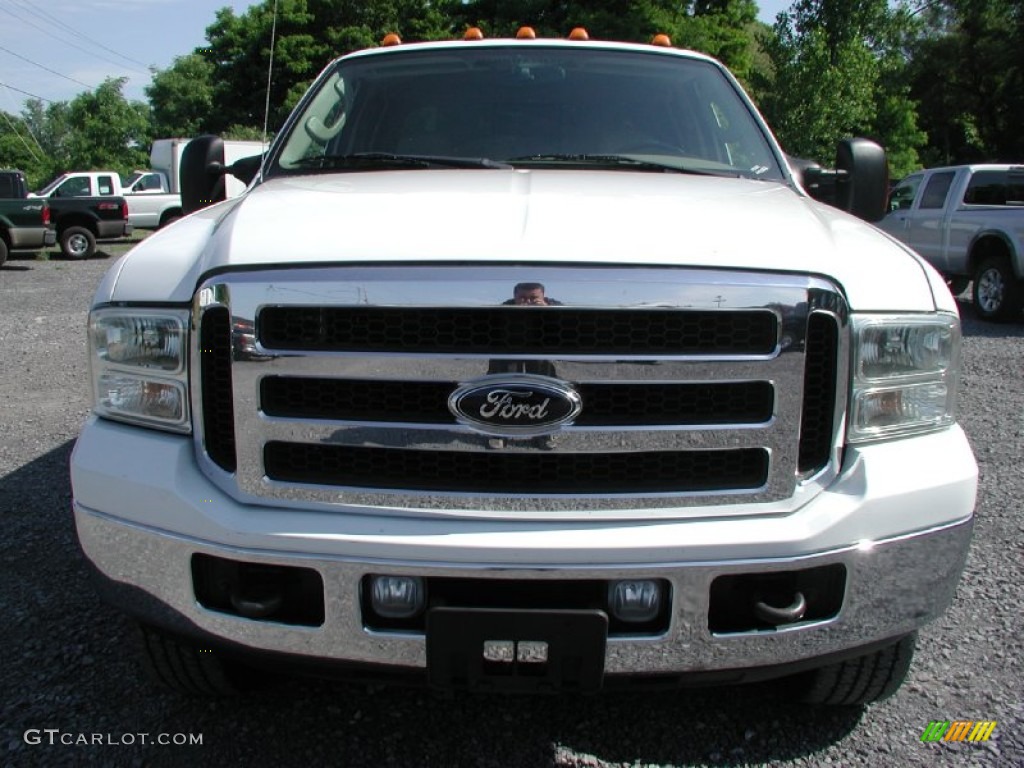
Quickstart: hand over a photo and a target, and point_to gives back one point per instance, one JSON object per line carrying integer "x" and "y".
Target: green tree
{"x": 105, "y": 131}
{"x": 308, "y": 35}
{"x": 19, "y": 148}
{"x": 967, "y": 72}
{"x": 838, "y": 70}
{"x": 181, "y": 97}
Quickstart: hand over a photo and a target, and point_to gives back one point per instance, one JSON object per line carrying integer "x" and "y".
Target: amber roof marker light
{"x": 526, "y": 33}
{"x": 391, "y": 39}
{"x": 662, "y": 40}
{"x": 473, "y": 33}
{"x": 579, "y": 33}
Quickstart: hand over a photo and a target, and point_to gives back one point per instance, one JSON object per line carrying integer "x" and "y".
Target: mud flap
{"x": 486, "y": 649}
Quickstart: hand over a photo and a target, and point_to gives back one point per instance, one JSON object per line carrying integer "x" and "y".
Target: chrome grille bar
{"x": 310, "y": 404}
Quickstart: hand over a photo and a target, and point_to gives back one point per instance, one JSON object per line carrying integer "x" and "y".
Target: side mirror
{"x": 246, "y": 168}
{"x": 862, "y": 188}
{"x": 201, "y": 173}
{"x": 859, "y": 184}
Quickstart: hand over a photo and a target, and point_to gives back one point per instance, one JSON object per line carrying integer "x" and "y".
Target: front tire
{"x": 77, "y": 243}
{"x": 856, "y": 682}
{"x": 3, "y": 251}
{"x": 186, "y": 667}
{"x": 998, "y": 294}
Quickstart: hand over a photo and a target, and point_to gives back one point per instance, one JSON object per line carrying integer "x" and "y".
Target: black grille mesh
{"x": 218, "y": 412}
{"x": 512, "y": 472}
{"x": 816, "y": 420}
{"x": 425, "y": 402}
{"x": 519, "y": 330}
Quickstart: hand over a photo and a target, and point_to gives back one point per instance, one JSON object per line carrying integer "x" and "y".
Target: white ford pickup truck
{"x": 557, "y": 379}
{"x": 968, "y": 222}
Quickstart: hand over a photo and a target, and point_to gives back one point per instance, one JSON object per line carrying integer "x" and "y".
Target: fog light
{"x": 634, "y": 601}
{"x": 396, "y": 597}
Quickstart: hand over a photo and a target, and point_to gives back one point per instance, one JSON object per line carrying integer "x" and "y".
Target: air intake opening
{"x": 218, "y": 410}
{"x": 818, "y": 416}
{"x": 259, "y": 591}
{"x": 761, "y": 602}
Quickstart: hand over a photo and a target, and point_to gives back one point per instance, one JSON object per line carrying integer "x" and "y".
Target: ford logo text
{"x": 515, "y": 404}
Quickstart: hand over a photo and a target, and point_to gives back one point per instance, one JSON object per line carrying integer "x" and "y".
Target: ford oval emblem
{"x": 512, "y": 405}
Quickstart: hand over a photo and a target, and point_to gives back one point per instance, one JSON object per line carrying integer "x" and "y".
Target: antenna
{"x": 270, "y": 72}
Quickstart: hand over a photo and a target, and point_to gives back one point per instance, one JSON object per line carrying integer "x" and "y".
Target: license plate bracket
{"x": 485, "y": 649}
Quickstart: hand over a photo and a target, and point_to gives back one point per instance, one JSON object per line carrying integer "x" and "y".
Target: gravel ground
{"x": 69, "y": 662}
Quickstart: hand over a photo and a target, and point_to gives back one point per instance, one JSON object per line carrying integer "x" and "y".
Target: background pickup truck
{"x": 24, "y": 224}
{"x": 153, "y": 196}
{"x": 151, "y": 204}
{"x": 968, "y": 221}
{"x": 79, "y": 221}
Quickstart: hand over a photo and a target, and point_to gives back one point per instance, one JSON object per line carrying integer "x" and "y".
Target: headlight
{"x": 139, "y": 371}
{"x": 905, "y": 375}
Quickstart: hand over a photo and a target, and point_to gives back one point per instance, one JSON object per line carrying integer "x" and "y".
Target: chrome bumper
{"x": 893, "y": 587}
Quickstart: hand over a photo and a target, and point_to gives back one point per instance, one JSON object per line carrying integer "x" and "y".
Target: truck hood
{"x": 552, "y": 216}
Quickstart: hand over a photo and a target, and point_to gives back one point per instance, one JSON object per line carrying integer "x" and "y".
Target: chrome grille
{"x": 561, "y": 330}
{"x": 516, "y": 471}
{"x": 744, "y": 402}
{"x": 700, "y": 389}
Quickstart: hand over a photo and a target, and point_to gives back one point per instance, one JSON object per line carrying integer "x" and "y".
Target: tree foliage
{"x": 182, "y": 97}
{"x": 966, "y": 71}
{"x": 938, "y": 82}
{"x": 838, "y": 71}
{"x": 97, "y": 130}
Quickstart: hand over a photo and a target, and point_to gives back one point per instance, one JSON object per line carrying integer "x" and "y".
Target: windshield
{"x": 491, "y": 107}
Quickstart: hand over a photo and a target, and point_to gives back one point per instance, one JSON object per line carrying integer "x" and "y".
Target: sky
{"x": 55, "y": 49}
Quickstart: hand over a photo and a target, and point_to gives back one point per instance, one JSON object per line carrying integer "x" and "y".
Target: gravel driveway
{"x": 70, "y": 671}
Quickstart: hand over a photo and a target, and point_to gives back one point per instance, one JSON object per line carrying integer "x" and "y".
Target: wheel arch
{"x": 992, "y": 243}
{"x": 76, "y": 220}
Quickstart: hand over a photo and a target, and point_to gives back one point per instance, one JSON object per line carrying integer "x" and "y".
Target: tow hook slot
{"x": 772, "y": 600}
{"x": 791, "y": 613}
{"x": 257, "y": 603}
{"x": 259, "y": 591}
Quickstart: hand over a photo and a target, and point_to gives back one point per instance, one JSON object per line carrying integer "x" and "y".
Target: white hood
{"x": 527, "y": 216}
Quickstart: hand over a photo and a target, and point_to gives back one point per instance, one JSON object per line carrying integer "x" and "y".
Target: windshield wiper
{"x": 389, "y": 160}
{"x": 627, "y": 162}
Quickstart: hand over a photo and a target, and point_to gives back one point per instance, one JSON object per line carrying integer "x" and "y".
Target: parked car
{"x": 153, "y": 196}
{"x": 79, "y": 221}
{"x": 968, "y": 222}
{"x": 24, "y": 224}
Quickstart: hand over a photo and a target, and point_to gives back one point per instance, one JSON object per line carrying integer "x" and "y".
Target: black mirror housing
{"x": 201, "y": 173}
{"x": 859, "y": 184}
{"x": 862, "y": 187}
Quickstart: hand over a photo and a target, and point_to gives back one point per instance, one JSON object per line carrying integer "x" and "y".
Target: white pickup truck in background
{"x": 150, "y": 202}
{"x": 154, "y": 198}
{"x": 968, "y": 222}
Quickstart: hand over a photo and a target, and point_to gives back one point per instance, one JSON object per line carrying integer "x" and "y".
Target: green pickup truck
{"x": 78, "y": 221}
{"x": 24, "y": 223}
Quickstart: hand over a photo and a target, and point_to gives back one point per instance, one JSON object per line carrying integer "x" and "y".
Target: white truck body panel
{"x": 521, "y": 215}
